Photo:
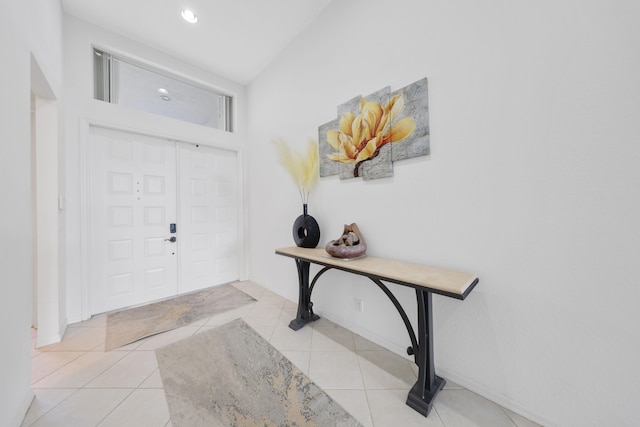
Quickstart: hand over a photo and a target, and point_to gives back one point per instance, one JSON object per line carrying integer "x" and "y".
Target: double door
{"x": 163, "y": 218}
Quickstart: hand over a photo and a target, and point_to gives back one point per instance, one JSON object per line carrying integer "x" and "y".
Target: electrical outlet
{"x": 358, "y": 305}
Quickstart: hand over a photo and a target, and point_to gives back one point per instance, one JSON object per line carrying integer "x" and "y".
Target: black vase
{"x": 306, "y": 231}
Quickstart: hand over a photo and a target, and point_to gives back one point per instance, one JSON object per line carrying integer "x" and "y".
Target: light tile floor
{"x": 78, "y": 384}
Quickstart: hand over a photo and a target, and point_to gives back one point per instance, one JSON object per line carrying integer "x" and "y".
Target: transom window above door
{"x": 124, "y": 81}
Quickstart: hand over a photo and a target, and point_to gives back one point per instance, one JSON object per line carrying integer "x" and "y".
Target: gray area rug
{"x": 127, "y": 326}
{"x": 231, "y": 376}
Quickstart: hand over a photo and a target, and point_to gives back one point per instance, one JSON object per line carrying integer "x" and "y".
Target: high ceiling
{"x": 236, "y": 39}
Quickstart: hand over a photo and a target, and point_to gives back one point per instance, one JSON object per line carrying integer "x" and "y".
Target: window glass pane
{"x": 100, "y": 76}
{"x": 129, "y": 84}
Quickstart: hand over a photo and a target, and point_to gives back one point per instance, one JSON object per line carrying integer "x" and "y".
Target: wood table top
{"x": 455, "y": 284}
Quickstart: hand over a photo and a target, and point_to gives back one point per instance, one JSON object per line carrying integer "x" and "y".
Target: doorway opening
{"x": 48, "y": 305}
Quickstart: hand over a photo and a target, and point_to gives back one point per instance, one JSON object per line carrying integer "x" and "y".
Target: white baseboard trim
{"x": 76, "y": 319}
{"x": 41, "y": 341}
{"x": 465, "y": 382}
{"x": 491, "y": 395}
{"x": 52, "y": 339}
{"x": 367, "y": 334}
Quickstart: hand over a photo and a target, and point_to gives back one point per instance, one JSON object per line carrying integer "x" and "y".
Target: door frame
{"x": 85, "y": 198}
{"x": 46, "y": 206}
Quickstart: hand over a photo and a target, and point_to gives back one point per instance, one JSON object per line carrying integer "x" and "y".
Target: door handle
{"x": 170, "y": 239}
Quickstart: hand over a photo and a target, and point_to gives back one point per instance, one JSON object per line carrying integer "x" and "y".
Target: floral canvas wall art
{"x": 372, "y": 132}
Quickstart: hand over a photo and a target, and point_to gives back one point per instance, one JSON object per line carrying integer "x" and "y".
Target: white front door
{"x": 133, "y": 201}
{"x": 139, "y": 187}
{"x": 208, "y": 217}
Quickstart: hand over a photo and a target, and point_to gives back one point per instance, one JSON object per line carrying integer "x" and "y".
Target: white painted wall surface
{"x": 40, "y": 36}
{"x": 532, "y": 184}
{"x": 51, "y": 318}
{"x": 82, "y": 109}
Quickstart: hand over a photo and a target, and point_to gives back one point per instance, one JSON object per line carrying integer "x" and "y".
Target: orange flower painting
{"x": 362, "y": 140}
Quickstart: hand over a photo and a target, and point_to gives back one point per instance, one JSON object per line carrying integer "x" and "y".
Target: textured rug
{"x": 231, "y": 376}
{"x": 127, "y": 326}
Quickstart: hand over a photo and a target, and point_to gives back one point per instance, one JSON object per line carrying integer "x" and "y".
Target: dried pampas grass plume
{"x": 303, "y": 170}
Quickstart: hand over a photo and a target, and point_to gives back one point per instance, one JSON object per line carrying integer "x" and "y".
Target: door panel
{"x": 140, "y": 185}
{"x": 208, "y": 217}
{"x": 132, "y": 203}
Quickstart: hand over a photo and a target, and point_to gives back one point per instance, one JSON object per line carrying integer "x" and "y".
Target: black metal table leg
{"x": 423, "y": 393}
{"x": 305, "y": 306}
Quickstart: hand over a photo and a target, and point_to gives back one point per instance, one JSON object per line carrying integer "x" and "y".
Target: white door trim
{"x": 85, "y": 198}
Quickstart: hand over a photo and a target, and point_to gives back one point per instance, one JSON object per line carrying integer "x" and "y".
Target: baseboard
{"x": 364, "y": 333}
{"x": 52, "y": 339}
{"x": 465, "y": 382}
{"x": 63, "y": 329}
{"x": 23, "y": 408}
{"x": 491, "y": 395}
{"x": 75, "y": 318}
{"x": 367, "y": 334}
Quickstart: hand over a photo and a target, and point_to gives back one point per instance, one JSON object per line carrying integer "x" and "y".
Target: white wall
{"x": 50, "y": 312}
{"x": 532, "y": 184}
{"x": 82, "y": 109}
{"x": 20, "y": 39}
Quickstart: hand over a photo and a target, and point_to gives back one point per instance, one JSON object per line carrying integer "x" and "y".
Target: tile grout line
{"x": 117, "y": 406}
{"x": 364, "y": 386}
{"x": 58, "y": 368}
{"x": 52, "y": 408}
{"x": 106, "y": 369}
{"x": 270, "y": 331}
{"x": 434, "y": 410}
{"x": 515, "y": 424}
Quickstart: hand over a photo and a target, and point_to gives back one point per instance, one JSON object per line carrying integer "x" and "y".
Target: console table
{"x": 425, "y": 280}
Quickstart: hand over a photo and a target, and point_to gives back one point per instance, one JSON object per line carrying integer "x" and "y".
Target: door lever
{"x": 170, "y": 239}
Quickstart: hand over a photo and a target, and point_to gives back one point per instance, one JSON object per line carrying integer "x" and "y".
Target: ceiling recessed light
{"x": 189, "y": 16}
{"x": 163, "y": 91}
{"x": 165, "y": 98}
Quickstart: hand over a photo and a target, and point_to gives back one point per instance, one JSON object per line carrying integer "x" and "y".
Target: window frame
{"x": 104, "y": 83}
